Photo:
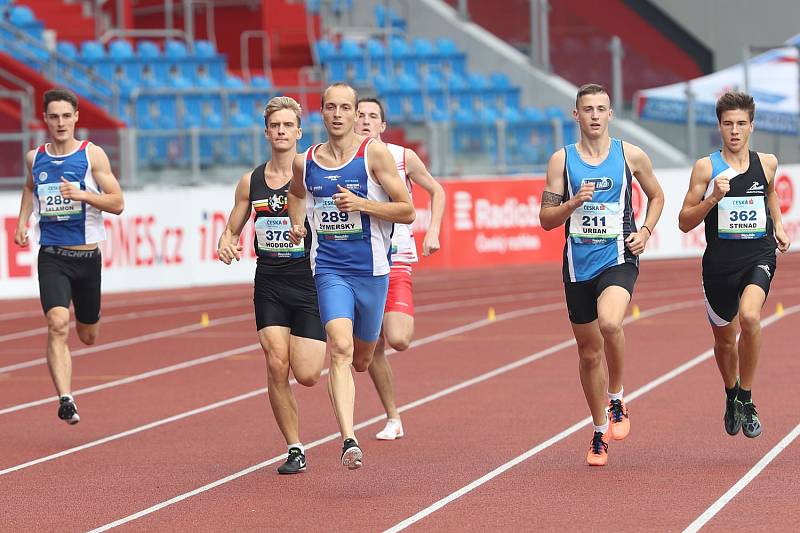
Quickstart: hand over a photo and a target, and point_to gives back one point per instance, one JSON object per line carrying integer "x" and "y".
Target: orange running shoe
{"x": 619, "y": 424}
{"x": 598, "y": 450}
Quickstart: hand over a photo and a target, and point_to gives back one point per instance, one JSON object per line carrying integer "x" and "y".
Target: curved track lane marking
{"x": 422, "y": 401}
{"x": 566, "y": 433}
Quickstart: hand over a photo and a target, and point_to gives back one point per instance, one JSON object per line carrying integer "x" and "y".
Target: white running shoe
{"x": 393, "y": 430}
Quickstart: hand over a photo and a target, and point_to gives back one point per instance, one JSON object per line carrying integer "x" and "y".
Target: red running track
{"x": 474, "y": 399}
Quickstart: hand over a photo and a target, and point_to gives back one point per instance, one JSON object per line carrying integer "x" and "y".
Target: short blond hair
{"x": 282, "y": 102}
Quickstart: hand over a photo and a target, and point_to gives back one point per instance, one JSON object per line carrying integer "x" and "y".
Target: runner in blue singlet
{"x": 589, "y": 191}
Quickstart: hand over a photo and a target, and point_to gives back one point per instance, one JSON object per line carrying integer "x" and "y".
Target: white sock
{"x": 616, "y": 395}
{"x": 393, "y": 421}
{"x": 298, "y": 445}
{"x": 602, "y": 429}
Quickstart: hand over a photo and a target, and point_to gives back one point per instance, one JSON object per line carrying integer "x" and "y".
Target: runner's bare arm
{"x": 770, "y": 164}
{"x": 25, "y": 205}
{"x": 110, "y": 199}
{"x": 229, "y": 247}
{"x": 296, "y": 200}
{"x": 419, "y": 174}
{"x": 554, "y": 210}
{"x": 695, "y": 207}
{"x": 384, "y": 169}
{"x": 642, "y": 169}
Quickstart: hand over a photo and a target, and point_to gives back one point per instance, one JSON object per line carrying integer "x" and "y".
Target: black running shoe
{"x": 351, "y": 454}
{"x": 733, "y": 416}
{"x": 751, "y": 426}
{"x": 295, "y": 462}
{"x": 68, "y": 411}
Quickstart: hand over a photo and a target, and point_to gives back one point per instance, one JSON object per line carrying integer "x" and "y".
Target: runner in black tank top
{"x": 285, "y": 298}
{"x": 743, "y": 227}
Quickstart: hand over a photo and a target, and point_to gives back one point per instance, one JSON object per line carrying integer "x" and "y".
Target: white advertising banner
{"x": 168, "y": 238}
{"x": 669, "y": 241}
{"x": 164, "y": 238}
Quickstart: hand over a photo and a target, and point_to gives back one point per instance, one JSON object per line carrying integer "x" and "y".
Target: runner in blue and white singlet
{"x": 596, "y": 231}
{"x": 349, "y": 189}
{"x": 346, "y": 243}
{"x": 589, "y": 191}
{"x": 69, "y": 185}
{"x": 59, "y": 221}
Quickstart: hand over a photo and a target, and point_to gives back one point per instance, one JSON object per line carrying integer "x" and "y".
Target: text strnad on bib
{"x": 595, "y": 222}
{"x": 332, "y": 224}
{"x": 741, "y": 218}
{"x": 272, "y": 237}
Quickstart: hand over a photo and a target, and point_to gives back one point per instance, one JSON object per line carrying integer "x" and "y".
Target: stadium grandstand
{"x": 520, "y": 294}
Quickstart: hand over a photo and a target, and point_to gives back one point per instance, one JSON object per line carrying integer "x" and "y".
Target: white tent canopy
{"x": 772, "y": 81}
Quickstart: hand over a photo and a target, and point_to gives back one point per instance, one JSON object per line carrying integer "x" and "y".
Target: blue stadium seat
{"x": 261, "y": 81}
{"x": 205, "y": 49}
{"x": 120, "y": 49}
{"x": 353, "y": 56}
{"x": 325, "y": 50}
{"x": 21, "y": 16}
{"x": 92, "y": 50}
{"x": 376, "y": 57}
{"x": 147, "y": 50}
{"x": 67, "y": 49}
{"x": 313, "y": 6}
{"x": 173, "y": 48}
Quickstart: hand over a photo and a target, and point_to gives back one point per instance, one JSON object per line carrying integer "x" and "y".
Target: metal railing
{"x": 244, "y": 50}
{"x": 182, "y": 156}
{"x": 59, "y": 67}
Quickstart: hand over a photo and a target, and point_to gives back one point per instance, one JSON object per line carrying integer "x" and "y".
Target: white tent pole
{"x": 691, "y": 127}
{"x": 746, "y": 67}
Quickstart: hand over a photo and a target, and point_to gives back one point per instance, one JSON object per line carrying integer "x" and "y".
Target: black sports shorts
{"x": 722, "y": 292}
{"x": 582, "y": 295}
{"x": 289, "y": 301}
{"x": 74, "y": 275}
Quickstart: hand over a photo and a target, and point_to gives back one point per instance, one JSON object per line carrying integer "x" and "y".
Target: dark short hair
{"x": 60, "y": 95}
{"x": 733, "y": 100}
{"x": 374, "y": 101}
{"x": 340, "y": 84}
{"x": 590, "y": 88}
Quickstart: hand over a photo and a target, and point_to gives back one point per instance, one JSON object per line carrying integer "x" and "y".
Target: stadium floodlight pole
{"x": 463, "y": 9}
{"x": 533, "y": 11}
{"x": 544, "y": 33}
{"x": 188, "y": 22}
{"x": 617, "y": 54}
{"x": 169, "y": 15}
{"x": 691, "y": 126}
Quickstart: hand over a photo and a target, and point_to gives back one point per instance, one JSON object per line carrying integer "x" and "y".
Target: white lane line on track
{"x": 133, "y": 340}
{"x": 221, "y": 293}
{"x": 421, "y": 342}
{"x": 478, "y": 379}
{"x": 242, "y": 349}
{"x": 745, "y": 480}
{"x": 130, "y": 316}
{"x": 566, "y": 433}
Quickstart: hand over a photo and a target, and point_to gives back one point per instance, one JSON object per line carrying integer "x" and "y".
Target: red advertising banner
{"x": 489, "y": 222}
